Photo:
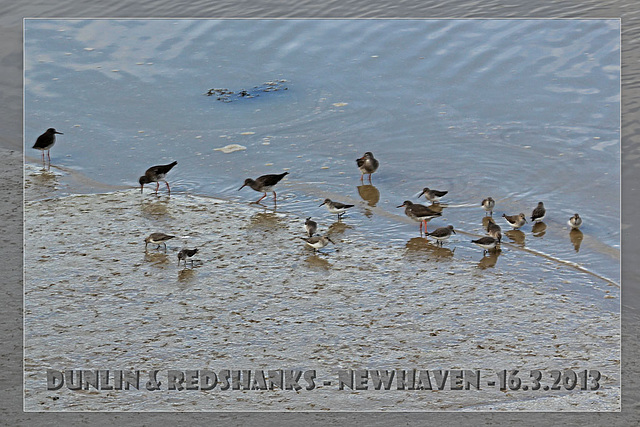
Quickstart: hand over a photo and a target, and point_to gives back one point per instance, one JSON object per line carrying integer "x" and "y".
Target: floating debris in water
{"x": 340, "y": 104}
{"x": 226, "y": 95}
{"x": 231, "y": 148}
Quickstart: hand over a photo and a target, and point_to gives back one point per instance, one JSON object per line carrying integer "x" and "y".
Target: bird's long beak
{"x": 421, "y": 193}
{"x": 401, "y": 206}
{"x": 59, "y": 133}
{"x": 322, "y": 204}
{"x": 330, "y": 240}
{"x": 241, "y": 187}
{"x": 454, "y": 231}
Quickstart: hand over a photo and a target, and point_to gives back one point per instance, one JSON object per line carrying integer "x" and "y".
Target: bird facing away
{"x": 317, "y": 242}
{"x": 156, "y": 174}
{"x": 487, "y": 243}
{"x": 419, "y": 213}
{"x": 310, "y": 227}
{"x": 46, "y": 141}
{"x": 264, "y": 184}
{"x": 432, "y": 195}
{"x": 157, "y": 239}
{"x": 538, "y": 213}
{"x": 441, "y": 234}
{"x": 336, "y": 207}
{"x": 515, "y": 221}
{"x": 367, "y": 165}
{"x": 494, "y": 230}
{"x": 488, "y": 204}
{"x": 186, "y": 253}
{"x": 575, "y": 221}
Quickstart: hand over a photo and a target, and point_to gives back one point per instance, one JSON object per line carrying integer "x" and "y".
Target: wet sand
{"x": 257, "y": 298}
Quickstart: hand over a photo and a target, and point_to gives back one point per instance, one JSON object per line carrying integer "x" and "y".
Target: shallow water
{"x": 523, "y": 111}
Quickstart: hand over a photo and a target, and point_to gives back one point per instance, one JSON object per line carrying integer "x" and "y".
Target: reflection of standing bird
{"x": 367, "y": 165}
{"x": 264, "y": 184}
{"x": 186, "y": 253}
{"x": 46, "y": 141}
{"x": 156, "y": 174}
{"x": 157, "y": 239}
{"x": 515, "y": 221}
{"x": 488, "y": 204}
{"x": 441, "y": 234}
{"x": 432, "y": 195}
{"x": 310, "y": 226}
{"x": 575, "y": 221}
{"x": 538, "y": 213}
{"x": 419, "y": 213}
{"x": 317, "y": 242}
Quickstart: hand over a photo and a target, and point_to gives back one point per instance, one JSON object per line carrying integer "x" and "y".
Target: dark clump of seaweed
{"x": 226, "y": 95}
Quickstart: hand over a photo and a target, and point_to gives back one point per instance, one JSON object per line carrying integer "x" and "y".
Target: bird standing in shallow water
{"x": 264, "y": 184}
{"x": 367, "y": 165}
{"x": 538, "y": 213}
{"x": 310, "y": 227}
{"x": 575, "y": 221}
{"x": 336, "y": 207}
{"x": 494, "y": 230}
{"x": 317, "y": 242}
{"x": 441, "y": 234}
{"x": 515, "y": 221}
{"x": 186, "y": 253}
{"x": 157, "y": 239}
{"x": 46, "y": 141}
{"x": 488, "y": 204}
{"x": 487, "y": 243}
{"x": 156, "y": 174}
{"x": 419, "y": 213}
{"x": 432, "y": 195}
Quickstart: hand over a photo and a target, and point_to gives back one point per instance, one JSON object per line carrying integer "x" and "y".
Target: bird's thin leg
{"x": 369, "y": 178}
{"x": 362, "y": 178}
{"x": 265, "y": 195}
{"x": 168, "y": 188}
{"x": 157, "y": 186}
{"x": 48, "y": 156}
{"x": 274, "y": 196}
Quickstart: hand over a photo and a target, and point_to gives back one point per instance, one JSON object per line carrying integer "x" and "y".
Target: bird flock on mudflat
{"x": 367, "y": 164}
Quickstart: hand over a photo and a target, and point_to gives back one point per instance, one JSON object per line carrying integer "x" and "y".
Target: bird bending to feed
{"x": 488, "y": 204}
{"x": 157, "y": 239}
{"x": 494, "y": 230}
{"x": 367, "y": 165}
{"x": 441, "y": 234}
{"x": 432, "y": 195}
{"x": 156, "y": 174}
{"x": 419, "y": 213}
{"x": 538, "y": 212}
{"x": 575, "y": 221}
{"x": 310, "y": 226}
{"x": 515, "y": 221}
{"x": 336, "y": 207}
{"x": 317, "y": 242}
{"x": 487, "y": 243}
{"x": 46, "y": 141}
{"x": 264, "y": 184}
{"x": 186, "y": 253}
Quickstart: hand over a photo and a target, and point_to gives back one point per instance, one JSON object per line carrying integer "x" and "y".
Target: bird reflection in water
{"x": 417, "y": 245}
{"x": 539, "y": 229}
{"x": 369, "y": 193}
{"x": 516, "y": 236}
{"x": 490, "y": 259}
{"x": 576, "y": 237}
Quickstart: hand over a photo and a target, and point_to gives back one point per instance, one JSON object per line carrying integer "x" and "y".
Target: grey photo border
{"x": 11, "y": 22}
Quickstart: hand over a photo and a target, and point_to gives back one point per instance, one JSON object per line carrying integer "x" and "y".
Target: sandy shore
{"x": 257, "y": 298}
